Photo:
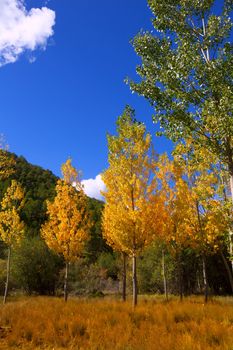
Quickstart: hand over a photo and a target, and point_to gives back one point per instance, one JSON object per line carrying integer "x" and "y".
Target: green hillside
{"x": 39, "y": 185}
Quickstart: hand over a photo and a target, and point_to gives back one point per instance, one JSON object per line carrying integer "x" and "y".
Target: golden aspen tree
{"x": 11, "y": 226}
{"x": 126, "y": 224}
{"x": 68, "y": 224}
{"x": 176, "y": 197}
{"x": 197, "y": 214}
{"x": 213, "y": 209}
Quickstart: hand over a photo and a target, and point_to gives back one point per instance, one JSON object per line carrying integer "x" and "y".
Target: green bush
{"x": 109, "y": 263}
{"x": 35, "y": 268}
{"x": 150, "y": 276}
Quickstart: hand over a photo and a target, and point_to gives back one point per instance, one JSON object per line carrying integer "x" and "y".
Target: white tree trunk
{"x": 231, "y": 233}
{"x": 135, "y": 287}
{"x": 164, "y": 275}
{"x": 66, "y": 282}
{"x": 7, "y": 275}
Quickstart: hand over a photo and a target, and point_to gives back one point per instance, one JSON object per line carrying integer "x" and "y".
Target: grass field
{"x": 49, "y": 323}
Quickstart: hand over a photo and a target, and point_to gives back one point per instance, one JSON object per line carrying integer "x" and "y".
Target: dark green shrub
{"x": 35, "y": 268}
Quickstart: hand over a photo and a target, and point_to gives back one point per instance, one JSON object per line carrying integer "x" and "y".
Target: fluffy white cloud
{"x": 22, "y": 30}
{"x": 92, "y": 187}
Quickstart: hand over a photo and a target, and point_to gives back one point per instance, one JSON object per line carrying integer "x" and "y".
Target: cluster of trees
{"x": 176, "y": 209}
{"x": 174, "y": 214}
{"x": 39, "y": 212}
{"x": 180, "y": 202}
{"x": 186, "y": 75}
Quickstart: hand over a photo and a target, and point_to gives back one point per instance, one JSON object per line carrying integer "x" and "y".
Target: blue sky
{"x": 61, "y": 101}
{"x": 65, "y": 102}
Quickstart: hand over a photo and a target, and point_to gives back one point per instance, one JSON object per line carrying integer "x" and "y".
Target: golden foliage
{"x": 11, "y": 226}
{"x": 129, "y": 217}
{"x": 67, "y": 227}
{"x": 198, "y": 215}
{"x": 70, "y": 174}
{"x": 7, "y": 162}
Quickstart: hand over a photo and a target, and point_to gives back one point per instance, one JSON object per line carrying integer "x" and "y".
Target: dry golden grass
{"x": 49, "y": 323}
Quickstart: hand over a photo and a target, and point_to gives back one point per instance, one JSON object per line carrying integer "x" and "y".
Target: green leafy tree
{"x": 186, "y": 72}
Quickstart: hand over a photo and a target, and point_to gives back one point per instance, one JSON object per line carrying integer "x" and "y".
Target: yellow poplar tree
{"x": 11, "y": 226}
{"x": 67, "y": 227}
{"x": 211, "y": 221}
{"x": 127, "y": 215}
{"x": 198, "y": 216}
{"x": 176, "y": 197}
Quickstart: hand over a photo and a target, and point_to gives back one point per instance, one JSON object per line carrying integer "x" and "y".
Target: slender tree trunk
{"x": 231, "y": 184}
{"x": 7, "y": 275}
{"x": 230, "y": 165}
{"x": 205, "y": 278}
{"x": 229, "y": 272}
{"x": 124, "y": 277}
{"x": 181, "y": 277}
{"x": 66, "y": 282}
{"x": 164, "y": 275}
{"x": 135, "y": 286}
{"x": 231, "y": 233}
{"x": 231, "y": 249}
{"x": 198, "y": 282}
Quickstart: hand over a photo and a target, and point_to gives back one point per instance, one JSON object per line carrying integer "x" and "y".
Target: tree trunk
{"x": 230, "y": 165}
{"x": 198, "y": 282}
{"x": 231, "y": 249}
{"x": 231, "y": 233}
{"x": 164, "y": 275}
{"x": 205, "y": 278}
{"x": 181, "y": 277}
{"x": 229, "y": 272}
{"x": 124, "y": 277}
{"x": 66, "y": 282}
{"x": 231, "y": 185}
{"x": 135, "y": 287}
{"x": 7, "y": 275}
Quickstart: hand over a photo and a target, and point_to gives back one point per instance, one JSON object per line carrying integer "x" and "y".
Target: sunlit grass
{"x": 49, "y": 323}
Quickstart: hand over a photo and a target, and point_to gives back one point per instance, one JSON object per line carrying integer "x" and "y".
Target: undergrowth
{"x": 49, "y": 323}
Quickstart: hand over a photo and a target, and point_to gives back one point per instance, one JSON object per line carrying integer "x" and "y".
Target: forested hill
{"x": 39, "y": 185}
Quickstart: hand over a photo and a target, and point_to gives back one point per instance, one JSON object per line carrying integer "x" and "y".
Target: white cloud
{"x": 92, "y": 187}
{"x": 22, "y": 30}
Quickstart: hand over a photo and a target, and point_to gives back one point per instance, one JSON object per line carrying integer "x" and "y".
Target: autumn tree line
{"x": 179, "y": 204}
{"x": 177, "y": 209}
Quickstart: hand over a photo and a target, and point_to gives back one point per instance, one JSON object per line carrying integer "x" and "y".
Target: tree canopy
{"x": 186, "y": 72}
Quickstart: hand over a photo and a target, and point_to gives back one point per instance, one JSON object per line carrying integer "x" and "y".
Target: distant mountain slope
{"x": 39, "y": 185}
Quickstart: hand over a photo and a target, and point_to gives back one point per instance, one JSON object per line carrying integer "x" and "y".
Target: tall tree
{"x": 213, "y": 206}
{"x": 198, "y": 214}
{"x": 186, "y": 72}
{"x": 67, "y": 227}
{"x": 176, "y": 195}
{"x": 11, "y": 226}
{"x": 127, "y": 217}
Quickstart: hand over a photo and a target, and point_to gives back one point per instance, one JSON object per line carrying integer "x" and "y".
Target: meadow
{"x": 35, "y": 323}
